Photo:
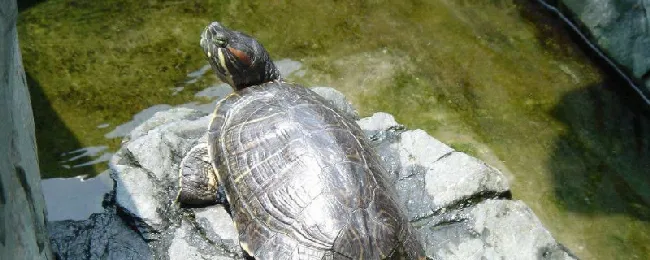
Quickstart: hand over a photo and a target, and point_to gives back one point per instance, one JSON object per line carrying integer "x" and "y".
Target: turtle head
{"x": 237, "y": 58}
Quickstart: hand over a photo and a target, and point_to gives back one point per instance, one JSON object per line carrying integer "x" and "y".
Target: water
{"x": 99, "y": 156}
{"x": 75, "y": 198}
{"x": 497, "y": 79}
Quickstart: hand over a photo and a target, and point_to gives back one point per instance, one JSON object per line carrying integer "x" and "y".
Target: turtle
{"x": 300, "y": 178}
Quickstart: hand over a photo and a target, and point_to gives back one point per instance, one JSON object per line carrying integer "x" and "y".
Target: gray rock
{"x": 158, "y": 119}
{"x": 377, "y": 122}
{"x": 458, "y": 176}
{"x": 23, "y": 232}
{"x": 492, "y": 229}
{"x": 416, "y": 147}
{"x": 146, "y": 169}
{"x": 338, "y": 100}
{"x": 136, "y": 194}
{"x": 126, "y": 128}
{"x": 288, "y": 67}
{"x": 102, "y": 236}
{"x": 215, "y": 219}
{"x": 218, "y": 91}
{"x": 205, "y": 108}
{"x": 458, "y": 204}
{"x": 428, "y": 174}
{"x": 188, "y": 244}
{"x": 146, "y": 172}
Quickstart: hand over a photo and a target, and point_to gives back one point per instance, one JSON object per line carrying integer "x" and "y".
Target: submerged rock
{"x": 459, "y": 205}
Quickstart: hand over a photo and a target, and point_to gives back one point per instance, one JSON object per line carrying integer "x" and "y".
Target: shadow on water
{"x": 26, "y": 4}
{"x": 601, "y": 164}
{"x": 53, "y": 137}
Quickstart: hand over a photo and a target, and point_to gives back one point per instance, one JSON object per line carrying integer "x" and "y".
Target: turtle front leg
{"x": 198, "y": 180}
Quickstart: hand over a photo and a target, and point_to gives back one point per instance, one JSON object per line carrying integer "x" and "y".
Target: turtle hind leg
{"x": 198, "y": 183}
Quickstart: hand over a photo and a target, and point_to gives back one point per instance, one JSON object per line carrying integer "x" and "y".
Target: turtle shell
{"x": 302, "y": 180}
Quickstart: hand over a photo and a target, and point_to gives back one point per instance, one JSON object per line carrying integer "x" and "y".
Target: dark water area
{"x": 614, "y": 165}
{"x": 52, "y": 131}
{"x": 600, "y": 166}
{"x": 26, "y": 4}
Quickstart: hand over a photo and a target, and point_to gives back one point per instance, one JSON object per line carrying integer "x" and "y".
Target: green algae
{"x": 485, "y": 77}
{"x": 102, "y": 62}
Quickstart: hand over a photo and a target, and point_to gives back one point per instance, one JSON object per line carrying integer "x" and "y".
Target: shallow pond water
{"x": 500, "y": 80}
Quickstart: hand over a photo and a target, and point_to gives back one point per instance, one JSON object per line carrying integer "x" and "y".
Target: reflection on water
{"x": 74, "y": 161}
{"x": 194, "y": 76}
{"x": 75, "y": 198}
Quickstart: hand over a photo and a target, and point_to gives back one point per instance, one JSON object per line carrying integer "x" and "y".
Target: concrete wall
{"x": 23, "y": 233}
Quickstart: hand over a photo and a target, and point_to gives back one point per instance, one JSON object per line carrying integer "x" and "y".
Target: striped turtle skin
{"x": 301, "y": 178}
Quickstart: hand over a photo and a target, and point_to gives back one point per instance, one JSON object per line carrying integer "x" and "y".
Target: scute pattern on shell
{"x": 301, "y": 179}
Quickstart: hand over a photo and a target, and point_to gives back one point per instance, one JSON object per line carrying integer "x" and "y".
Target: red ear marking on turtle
{"x": 242, "y": 56}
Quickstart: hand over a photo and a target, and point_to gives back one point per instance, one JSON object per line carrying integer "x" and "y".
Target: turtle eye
{"x": 219, "y": 42}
